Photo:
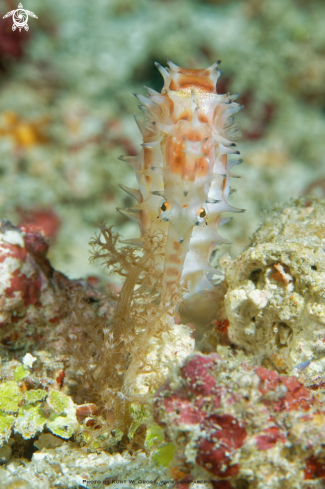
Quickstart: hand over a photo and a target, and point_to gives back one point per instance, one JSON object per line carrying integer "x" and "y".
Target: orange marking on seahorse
{"x": 203, "y": 118}
{"x": 189, "y": 170}
{"x": 194, "y": 71}
{"x": 193, "y": 135}
{"x": 224, "y": 184}
{"x": 185, "y": 116}
{"x": 177, "y": 246}
{"x": 172, "y": 271}
{"x": 170, "y": 284}
{"x": 202, "y": 168}
{"x": 175, "y": 156}
{"x": 174, "y": 258}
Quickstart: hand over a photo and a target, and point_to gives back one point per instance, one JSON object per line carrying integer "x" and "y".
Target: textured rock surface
{"x": 276, "y": 288}
{"x": 241, "y": 426}
{"x": 30, "y": 291}
{"x": 69, "y": 467}
{"x": 31, "y": 400}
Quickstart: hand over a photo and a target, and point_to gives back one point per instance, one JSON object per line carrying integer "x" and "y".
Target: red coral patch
{"x": 44, "y": 221}
{"x": 60, "y": 378}
{"x": 214, "y": 453}
{"x": 29, "y": 287}
{"x": 270, "y": 438}
{"x": 184, "y": 410}
{"x": 221, "y": 326}
{"x": 197, "y": 375}
{"x": 270, "y": 379}
{"x": 297, "y": 396}
{"x": 14, "y": 251}
{"x": 315, "y": 468}
{"x": 35, "y": 242}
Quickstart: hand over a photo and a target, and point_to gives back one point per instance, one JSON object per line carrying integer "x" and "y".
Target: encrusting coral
{"x": 31, "y": 400}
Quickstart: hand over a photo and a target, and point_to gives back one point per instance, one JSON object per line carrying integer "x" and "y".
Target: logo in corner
{"x": 20, "y": 18}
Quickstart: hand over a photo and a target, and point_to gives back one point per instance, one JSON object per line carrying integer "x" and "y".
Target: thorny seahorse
{"x": 183, "y": 172}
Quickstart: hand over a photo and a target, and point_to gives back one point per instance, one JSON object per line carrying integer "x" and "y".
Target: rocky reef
{"x": 248, "y": 415}
{"x": 245, "y": 426}
{"x": 275, "y": 291}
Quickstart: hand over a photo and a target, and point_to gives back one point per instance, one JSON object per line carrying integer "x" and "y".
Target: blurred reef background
{"x": 66, "y": 106}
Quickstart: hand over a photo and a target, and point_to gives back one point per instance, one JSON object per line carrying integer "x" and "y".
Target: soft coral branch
{"x": 112, "y": 355}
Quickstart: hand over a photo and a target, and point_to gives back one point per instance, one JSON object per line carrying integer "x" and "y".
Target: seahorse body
{"x": 183, "y": 172}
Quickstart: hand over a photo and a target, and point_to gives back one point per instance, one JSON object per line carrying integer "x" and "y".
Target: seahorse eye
{"x": 202, "y": 212}
{"x": 164, "y": 207}
{"x": 164, "y": 211}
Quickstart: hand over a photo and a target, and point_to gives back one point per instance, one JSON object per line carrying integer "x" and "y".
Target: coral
{"x": 27, "y": 296}
{"x": 123, "y": 360}
{"x": 275, "y": 296}
{"x": 239, "y": 425}
{"x": 113, "y": 360}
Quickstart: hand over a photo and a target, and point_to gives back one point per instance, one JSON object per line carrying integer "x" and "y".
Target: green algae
{"x": 63, "y": 426}
{"x": 165, "y": 454}
{"x": 58, "y": 401}
{"x": 35, "y": 395}
{"x": 30, "y": 412}
{"x": 6, "y": 423}
{"x": 31, "y": 420}
{"x": 10, "y": 397}
{"x": 20, "y": 373}
{"x": 62, "y": 421}
{"x": 154, "y": 436}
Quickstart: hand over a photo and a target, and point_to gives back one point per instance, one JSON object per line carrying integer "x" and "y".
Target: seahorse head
{"x": 189, "y": 154}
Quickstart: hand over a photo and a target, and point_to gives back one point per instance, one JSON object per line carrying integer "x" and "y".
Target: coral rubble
{"x": 69, "y": 467}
